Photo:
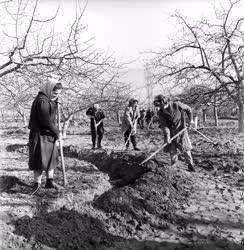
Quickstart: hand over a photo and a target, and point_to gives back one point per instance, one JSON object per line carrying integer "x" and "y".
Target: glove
{"x": 167, "y": 140}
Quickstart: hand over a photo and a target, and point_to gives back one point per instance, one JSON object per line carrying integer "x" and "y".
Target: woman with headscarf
{"x": 129, "y": 123}
{"x": 43, "y": 153}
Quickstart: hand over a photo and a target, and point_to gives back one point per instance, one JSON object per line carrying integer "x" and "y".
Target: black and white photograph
{"x": 122, "y": 124}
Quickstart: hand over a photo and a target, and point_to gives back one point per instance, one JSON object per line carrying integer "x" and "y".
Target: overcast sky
{"x": 128, "y": 27}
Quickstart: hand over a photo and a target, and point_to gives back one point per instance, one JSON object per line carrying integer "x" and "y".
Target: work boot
{"x": 175, "y": 163}
{"x": 93, "y": 148}
{"x": 191, "y": 168}
{"x": 136, "y": 149}
{"x": 51, "y": 184}
{"x": 99, "y": 146}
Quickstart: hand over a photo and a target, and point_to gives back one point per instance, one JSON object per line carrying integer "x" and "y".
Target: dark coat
{"x": 149, "y": 116}
{"x": 43, "y": 153}
{"x": 98, "y": 115}
{"x": 173, "y": 120}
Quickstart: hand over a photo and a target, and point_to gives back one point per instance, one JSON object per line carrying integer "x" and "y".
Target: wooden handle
{"x": 131, "y": 131}
{"x": 61, "y": 149}
{"x": 204, "y": 136}
{"x": 162, "y": 147}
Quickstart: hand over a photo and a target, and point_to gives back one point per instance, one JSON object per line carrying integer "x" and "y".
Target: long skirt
{"x": 43, "y": 152}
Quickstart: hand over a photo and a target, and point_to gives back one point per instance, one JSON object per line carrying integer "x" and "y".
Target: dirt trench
{"x": 137, "y": 190}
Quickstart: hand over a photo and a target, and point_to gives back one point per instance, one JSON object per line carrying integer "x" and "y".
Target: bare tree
{"x": 84, "y": 87}
{"x": 30, "y": 55}
{"x": 207, "y": 49}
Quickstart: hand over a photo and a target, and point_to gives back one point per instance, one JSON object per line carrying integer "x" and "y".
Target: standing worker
{"x": 96, "y": 125}
{"x": 149, "y": 118}
{"x": 141, "y": 119}
{"x": 43, "y": 153}
{"x": 172, "y": 121}
{"x": 129, "y": 123}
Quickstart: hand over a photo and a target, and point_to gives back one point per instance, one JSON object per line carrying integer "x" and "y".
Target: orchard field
{"x": 112, "y": 202}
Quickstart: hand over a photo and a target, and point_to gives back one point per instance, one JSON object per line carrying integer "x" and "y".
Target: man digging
{"x": 172, "y": 121}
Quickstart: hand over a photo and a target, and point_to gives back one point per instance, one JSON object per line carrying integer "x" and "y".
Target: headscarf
{"x": 47, "y": 88}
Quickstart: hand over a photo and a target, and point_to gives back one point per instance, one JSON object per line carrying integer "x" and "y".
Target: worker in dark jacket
{"x": 141, "y": 119}
{"x": 172, "y": 120}
{"x": 149, "y": 118}
{"x": 97, "y": 130}
{"x": 43, "y": 153}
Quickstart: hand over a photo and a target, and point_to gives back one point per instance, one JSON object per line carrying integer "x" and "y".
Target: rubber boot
{"x": 136, "y": 148}
{"x": 191, "y": 168}
{"x": 99, "y": 146}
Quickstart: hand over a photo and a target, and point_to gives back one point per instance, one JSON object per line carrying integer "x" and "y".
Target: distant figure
{"x": 129, "y": 122}
{"x": 96, "y": 125}
{"x": 149, "y": 118}
{"x": 172, "y": 121}
{"x": 141, "y": 119}
{"x": 43, "y": 153}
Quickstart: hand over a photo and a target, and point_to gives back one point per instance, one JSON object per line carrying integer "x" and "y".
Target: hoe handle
{"x": 162, "y": 147}
{"x": 61, "y": 148}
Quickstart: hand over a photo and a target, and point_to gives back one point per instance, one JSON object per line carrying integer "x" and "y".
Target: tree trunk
{"x": 204, "y": 116}
{"x": 196, "y": 122}
{"x": 240, "y": 117}
{"x": 24, "y": 120}
{"x": 118, "y": 118}
{"x": 65, "y": 127}
{"x": 216, "y": 119}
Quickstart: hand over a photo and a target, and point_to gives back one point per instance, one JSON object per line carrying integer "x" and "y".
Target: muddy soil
{"x": 112, "y": 202}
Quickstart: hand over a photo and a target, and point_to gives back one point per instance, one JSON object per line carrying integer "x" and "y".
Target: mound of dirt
{"x": 64, "y": 229}
{"x": 19, "y": 148}
{"x": 144, "y": 197}
{"x": 18, "y": 131}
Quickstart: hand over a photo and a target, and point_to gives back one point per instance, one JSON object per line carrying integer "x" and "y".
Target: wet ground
{"x": 111, "y": 202}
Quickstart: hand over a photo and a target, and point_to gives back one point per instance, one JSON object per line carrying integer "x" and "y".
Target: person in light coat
{"x": 129, "y": 123}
